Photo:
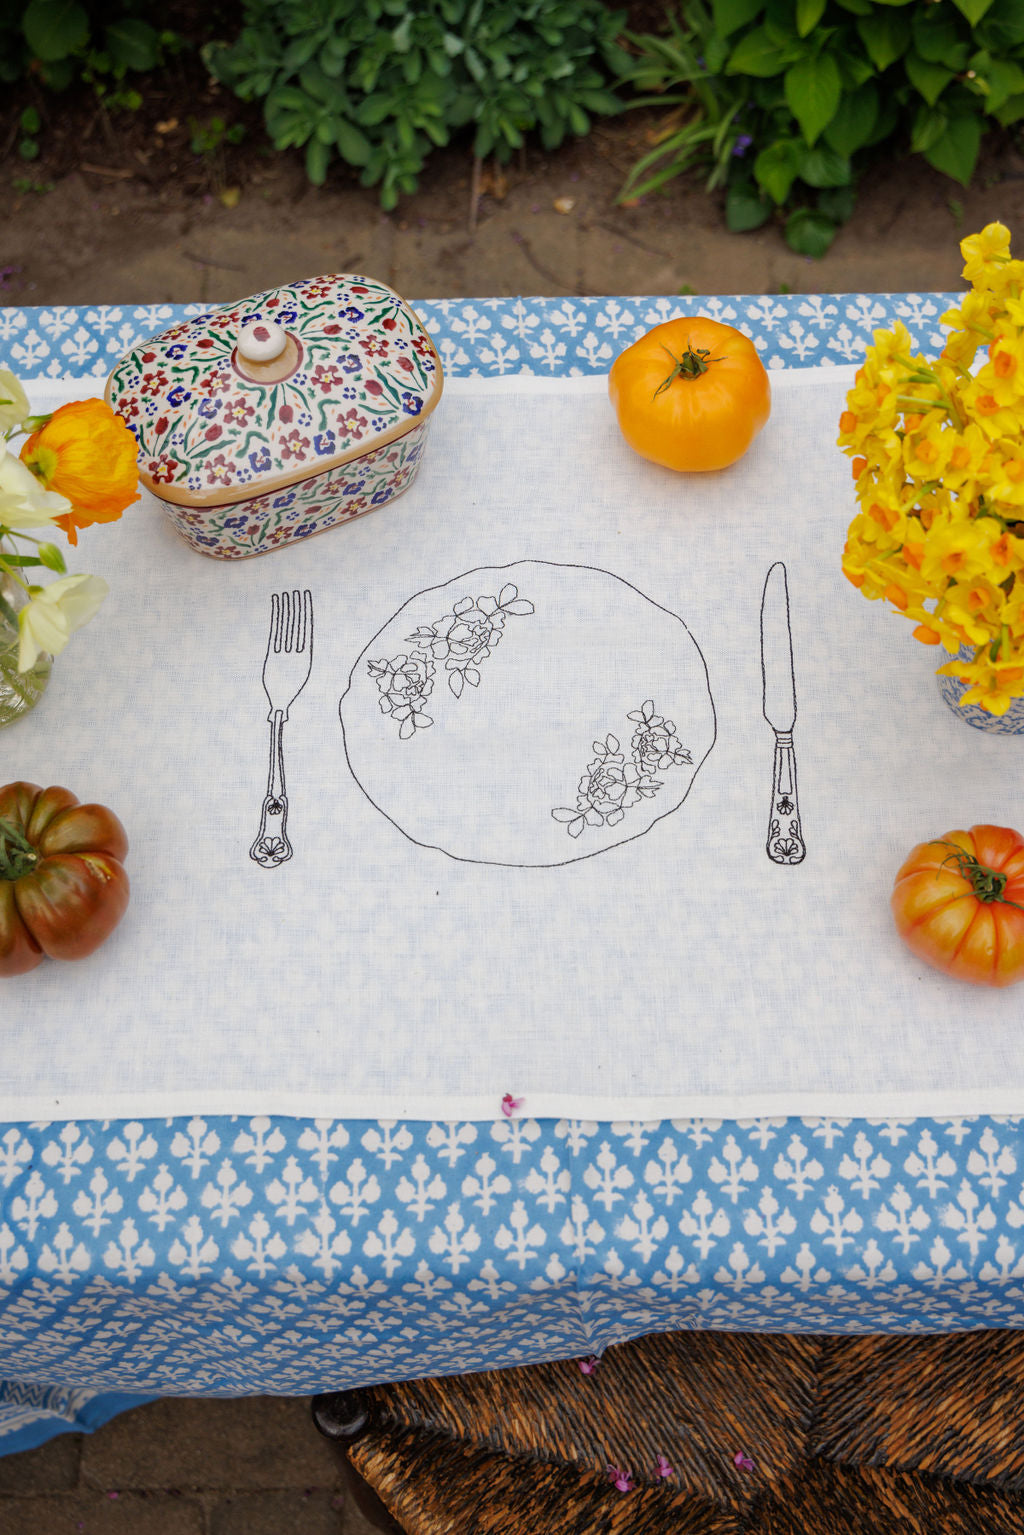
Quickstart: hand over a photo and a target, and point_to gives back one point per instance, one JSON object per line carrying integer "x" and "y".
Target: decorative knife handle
{"x": 785, "y": 838}
{"x": 272, "y": 846}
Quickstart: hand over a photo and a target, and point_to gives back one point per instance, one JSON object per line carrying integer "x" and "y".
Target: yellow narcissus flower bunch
{"x": 938, "y": 460}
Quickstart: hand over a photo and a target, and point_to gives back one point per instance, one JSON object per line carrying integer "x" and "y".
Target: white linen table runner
{"x": 547, "y": 878}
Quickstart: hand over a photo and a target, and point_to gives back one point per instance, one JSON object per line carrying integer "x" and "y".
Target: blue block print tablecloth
{"x": 229, "y": 1255}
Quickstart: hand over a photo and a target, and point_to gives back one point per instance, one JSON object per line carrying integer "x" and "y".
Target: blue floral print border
{"x": 230, "y": 1256}
{"x": 227, "y": 1256}
{"x": 493, "y": 337}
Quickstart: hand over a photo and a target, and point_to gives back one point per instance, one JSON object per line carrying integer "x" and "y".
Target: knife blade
{"x": 785, "y": 843}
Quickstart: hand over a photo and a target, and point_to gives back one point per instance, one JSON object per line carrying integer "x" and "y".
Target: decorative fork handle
{"x": 272, "y": 846}
{"x": 785, "y": 838}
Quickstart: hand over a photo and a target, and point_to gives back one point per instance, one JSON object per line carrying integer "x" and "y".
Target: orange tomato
{"x": 691, "y": 394}
{"x": 959, "y": 904}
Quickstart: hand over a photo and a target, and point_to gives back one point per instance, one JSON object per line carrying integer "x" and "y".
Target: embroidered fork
{"x": 286, "y": 669}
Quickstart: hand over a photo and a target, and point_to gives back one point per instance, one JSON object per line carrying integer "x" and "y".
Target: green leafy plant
{"x": 786, "y": 102}
{"x": 30, "y": 123}
{"x": 24, "y": 185}
{"x": 380, "y": 83}
{"x": 701, "y": 127}
{"x": 60, "y": 41}
{"x": 208, "y": 139}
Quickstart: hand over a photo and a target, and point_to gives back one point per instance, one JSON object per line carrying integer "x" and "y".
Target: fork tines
{"x": 291, "y": 620}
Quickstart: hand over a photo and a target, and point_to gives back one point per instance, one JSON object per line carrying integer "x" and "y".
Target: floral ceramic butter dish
{"x": 282, "y": 415}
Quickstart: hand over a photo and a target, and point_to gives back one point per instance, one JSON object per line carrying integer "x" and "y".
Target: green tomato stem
{"x": 691, "y": 364}
{"x": 17, "y": 855}
{"x": 986, "y": 884}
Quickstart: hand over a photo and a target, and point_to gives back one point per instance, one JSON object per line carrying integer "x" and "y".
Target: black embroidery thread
{"x": 611, "y": 785}
{"x": 461, "y": 639}
{"x": 286, "y": 668}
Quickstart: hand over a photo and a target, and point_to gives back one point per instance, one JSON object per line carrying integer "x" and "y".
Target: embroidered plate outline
{"x": 462, "y": 639}
{"x": 518, "y": 746}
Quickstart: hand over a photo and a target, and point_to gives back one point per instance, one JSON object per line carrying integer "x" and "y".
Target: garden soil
{"x": 122, "y": 210}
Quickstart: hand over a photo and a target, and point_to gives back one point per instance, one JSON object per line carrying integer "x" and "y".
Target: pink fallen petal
{"x": 510, "y": 1104}
{"x": 623, "y": 1479}
{"x": 662, "y": 1467}
{"x": 744, "y": 1462}
{"x": 589, "y": 1365}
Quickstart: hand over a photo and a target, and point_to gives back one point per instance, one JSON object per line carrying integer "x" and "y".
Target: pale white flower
{"x": 53, "y": 613}
{"x": 23, "y": 501}
{"x": 14, "y": 407}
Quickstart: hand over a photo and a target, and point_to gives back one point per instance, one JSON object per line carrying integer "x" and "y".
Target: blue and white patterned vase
{"x": 952, "y": 689}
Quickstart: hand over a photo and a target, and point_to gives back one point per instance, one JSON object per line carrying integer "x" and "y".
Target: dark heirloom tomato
{"x": 63, "y": 889}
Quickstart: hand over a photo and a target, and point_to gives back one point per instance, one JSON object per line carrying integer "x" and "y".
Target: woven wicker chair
{"x": 765, "y": 1434}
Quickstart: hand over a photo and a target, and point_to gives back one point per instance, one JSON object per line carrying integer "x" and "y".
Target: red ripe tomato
{"x": 959, "y": 904}
{"x": 63, "y": 889}
{"x": 691, "y": 394}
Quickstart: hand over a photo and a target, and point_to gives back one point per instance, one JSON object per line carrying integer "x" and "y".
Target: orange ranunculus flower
{"x": 86, "y": 453}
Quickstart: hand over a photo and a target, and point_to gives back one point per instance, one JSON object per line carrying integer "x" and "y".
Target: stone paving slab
{"x": 53, "y": 1467}
{"x": 180, "y": 1466}
{"x": 554, "y": 227}
{"x": 250, "y": 1442}
{"x": 91, "y": 1513}
{"x": 279, "y": 1513}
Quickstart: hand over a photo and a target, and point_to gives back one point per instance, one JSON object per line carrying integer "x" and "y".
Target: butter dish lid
{"x": 262, "y": 393}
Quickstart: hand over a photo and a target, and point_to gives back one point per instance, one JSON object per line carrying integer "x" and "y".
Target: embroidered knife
{"x": 785, "y": 838}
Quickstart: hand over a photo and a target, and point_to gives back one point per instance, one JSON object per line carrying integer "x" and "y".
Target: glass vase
{"x": 1009, "y": 724}
{"x": 19, "y": 691}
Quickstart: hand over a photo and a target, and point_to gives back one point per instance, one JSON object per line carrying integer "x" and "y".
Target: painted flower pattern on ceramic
{"x": 239, "y": 529}
{"x": 366, "y": 379}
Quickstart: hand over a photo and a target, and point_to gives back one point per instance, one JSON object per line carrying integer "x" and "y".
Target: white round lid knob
{"x": 262, "y": 340}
